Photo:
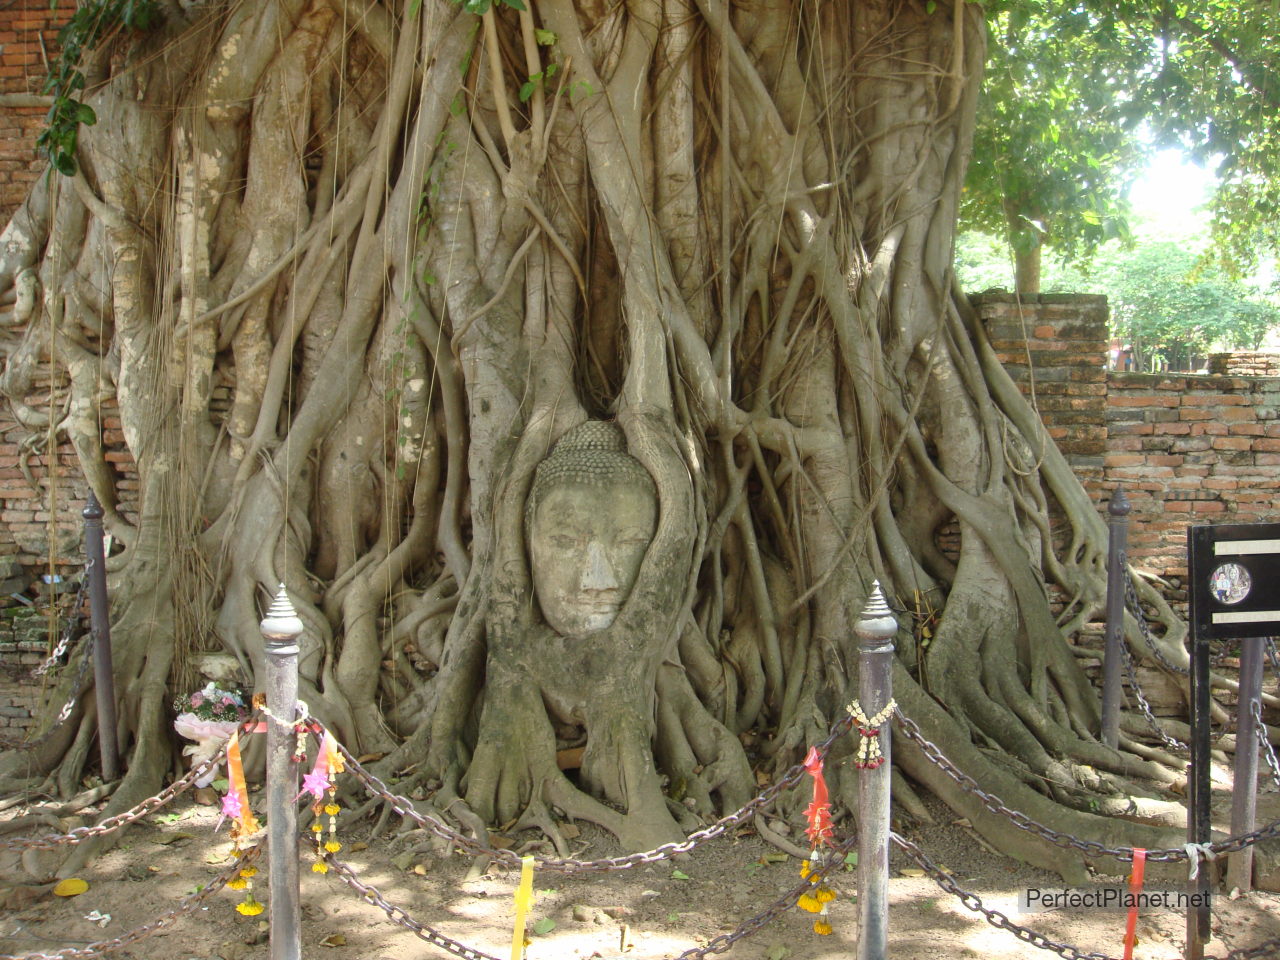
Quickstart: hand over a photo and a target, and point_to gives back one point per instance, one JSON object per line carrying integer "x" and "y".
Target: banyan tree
{"x": 586, "y": 364}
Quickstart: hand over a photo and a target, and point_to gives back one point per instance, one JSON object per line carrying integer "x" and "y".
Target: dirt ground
{"x": 645, "y": 912}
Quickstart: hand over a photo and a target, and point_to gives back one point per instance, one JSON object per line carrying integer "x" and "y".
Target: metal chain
{"x": 12, "y": 743}
{"x": 1267, "y": 950}
{"x": 399, "y": 916}
{"x": 1023, "y": 822}
{"x": 1135, "y": 607}
{"x": 783, "y": 904}
{"x": 72, "y": 621}
{"x": 1172, "y": 742}
{"x": 994, "y": 917}
{"x": 404, "y": 806}
{"x": 186, "y": 905}
{"x": 1268, "y": 752}
{"x": 169, "y": 793}
{"x": 1270, "y": 647}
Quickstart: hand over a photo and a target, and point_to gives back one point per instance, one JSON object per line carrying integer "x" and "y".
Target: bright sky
{"x": 1167, "y": 197}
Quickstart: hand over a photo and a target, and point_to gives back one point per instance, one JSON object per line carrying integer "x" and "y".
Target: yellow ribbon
{"x": 524, "y": 900}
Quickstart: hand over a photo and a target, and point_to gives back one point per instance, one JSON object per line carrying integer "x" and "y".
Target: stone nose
{"x": 599, "y": 573}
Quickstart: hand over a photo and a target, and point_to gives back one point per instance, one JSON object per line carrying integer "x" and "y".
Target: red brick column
{"x": 28, "y": 34}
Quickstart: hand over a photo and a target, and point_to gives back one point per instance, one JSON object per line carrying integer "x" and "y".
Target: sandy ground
{"x": 646, "y": 912}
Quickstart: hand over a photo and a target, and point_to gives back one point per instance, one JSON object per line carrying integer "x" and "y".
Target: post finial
{"x": 1119, "y": 505}
{"x": 877, "y": 622}
{"x": 281, "y": 624}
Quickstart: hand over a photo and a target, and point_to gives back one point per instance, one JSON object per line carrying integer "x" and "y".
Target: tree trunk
{"x": 424, "y": 247}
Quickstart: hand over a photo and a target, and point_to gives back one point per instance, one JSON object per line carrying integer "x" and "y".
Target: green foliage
{"x": 1075, "y": 87}
{"x": 1169, "y": 303}
{"x": 1054, "y": 149}
{"x": 88, "y": 27}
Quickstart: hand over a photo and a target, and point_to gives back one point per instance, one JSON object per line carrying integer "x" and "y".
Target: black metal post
{"x": 280, "y": 631}
{"x": 1199, "y": 789}
{"x": 1244, "y": 782}
{"x": 876, "y": 629}
{"x": 1112, "y": 658}
{"x": 100, "y": 622}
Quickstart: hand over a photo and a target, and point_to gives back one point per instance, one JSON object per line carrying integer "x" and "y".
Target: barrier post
{"x": 1244, "y": 793}
{"x": 1113, "y": 652}
{"x": 104, "y": 688}
{"x": 280, "y": 631}
{"x": 876, "y": 629}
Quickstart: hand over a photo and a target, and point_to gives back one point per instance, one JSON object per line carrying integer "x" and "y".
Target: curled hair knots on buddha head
{"x": 593, "y": 454}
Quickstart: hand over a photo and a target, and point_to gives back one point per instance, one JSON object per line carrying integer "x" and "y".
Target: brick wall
{"x": 1245, "y": 364}
{"x": 1188, "y": 448}
{"x": 1054, "y": 346}
{"x": 28, "y": 33}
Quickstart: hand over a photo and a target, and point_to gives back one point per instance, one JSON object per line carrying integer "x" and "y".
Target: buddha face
{"x": 586, "y": 544}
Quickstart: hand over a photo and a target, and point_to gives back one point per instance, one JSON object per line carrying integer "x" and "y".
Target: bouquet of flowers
{"x": 209, "y": 717}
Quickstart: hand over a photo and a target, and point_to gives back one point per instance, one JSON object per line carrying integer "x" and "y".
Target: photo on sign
{"x": 1230, "y": 583}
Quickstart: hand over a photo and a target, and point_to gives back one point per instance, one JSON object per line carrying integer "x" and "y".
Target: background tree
{"x": 421, "y": 243}
{"x": 1056, "y": 144}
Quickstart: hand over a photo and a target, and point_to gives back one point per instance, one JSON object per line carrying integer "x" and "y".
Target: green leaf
{"x": 414, "y": 7}
{"x": 545, "y": 38}
{"x": 545, "y": 925}
{"x": 930, "y": 7}
{"x": 551, "y": 70}
{"x": 220, "y": 784}
{"x": 65, "y": 164}
{"x": 85, "y": 114}
{"x": 478, "y": 7}
{"x": 679, "y": 875}
{"x": 515, "y": 5}
{"x": 526, "y": 90}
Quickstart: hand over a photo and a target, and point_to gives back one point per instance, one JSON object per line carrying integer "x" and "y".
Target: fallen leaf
{"x": 772, "y": 857}
{"x": 403, "y": 861}
{"x": 167, "y": 838}
{"x": 545, "y": 925}
{"x": 777, "y": 952}
{"x": 70, "y": 887}
{"x": 569, "y": 831}
{"x": 334, "y": 940}
{"x": 369, "y": 757}
{"x": 419, "y": 869}
{"x": 499, "y": 842}
{"x": 358, "y": 846}
{"x": 911, "y": 872}
{"x": 679, "y": 875}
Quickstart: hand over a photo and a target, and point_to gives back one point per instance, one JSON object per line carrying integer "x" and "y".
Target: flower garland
{"x": 319, "y": 782}
{"x": 235, "y": 806}
{"x": 818, "y": 813}
{"x": 869, "y": 755}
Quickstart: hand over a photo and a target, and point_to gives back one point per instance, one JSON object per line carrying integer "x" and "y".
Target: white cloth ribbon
{"x": 1195, "y": 851}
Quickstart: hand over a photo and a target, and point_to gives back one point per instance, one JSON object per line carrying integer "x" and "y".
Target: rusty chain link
{"x": 1268, "y": 752}
{"x": 12, "y": 743}
{"x": 1091, "y": 847}
{"x": 1267, "y": 950}
{"x": 404, "y": 807}
{"x": 111, "y": 824}
{"x": 994, "y": 917}
{"x": 1172, "y": 742}
{"x": 1135, "y": 608}
{"x": 69, "y": 629}
{"x": 186, "y": 905}
{"x": 783, "y": 904}
{"x": 399, "y": 916}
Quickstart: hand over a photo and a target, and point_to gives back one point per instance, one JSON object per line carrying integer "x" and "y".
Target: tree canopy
{"x": 1076, "y": 93}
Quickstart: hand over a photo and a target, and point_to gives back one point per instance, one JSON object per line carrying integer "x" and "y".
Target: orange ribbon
{"x": 236, "y": 783}
{"x": 818, "y": 812}
{"x": 1135, "y": 889}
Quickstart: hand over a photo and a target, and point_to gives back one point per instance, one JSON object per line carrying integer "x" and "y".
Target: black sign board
{"x": 1235, "y": 580}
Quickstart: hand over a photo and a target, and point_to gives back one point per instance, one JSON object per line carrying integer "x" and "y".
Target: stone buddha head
{"x": 591, "y": 513}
